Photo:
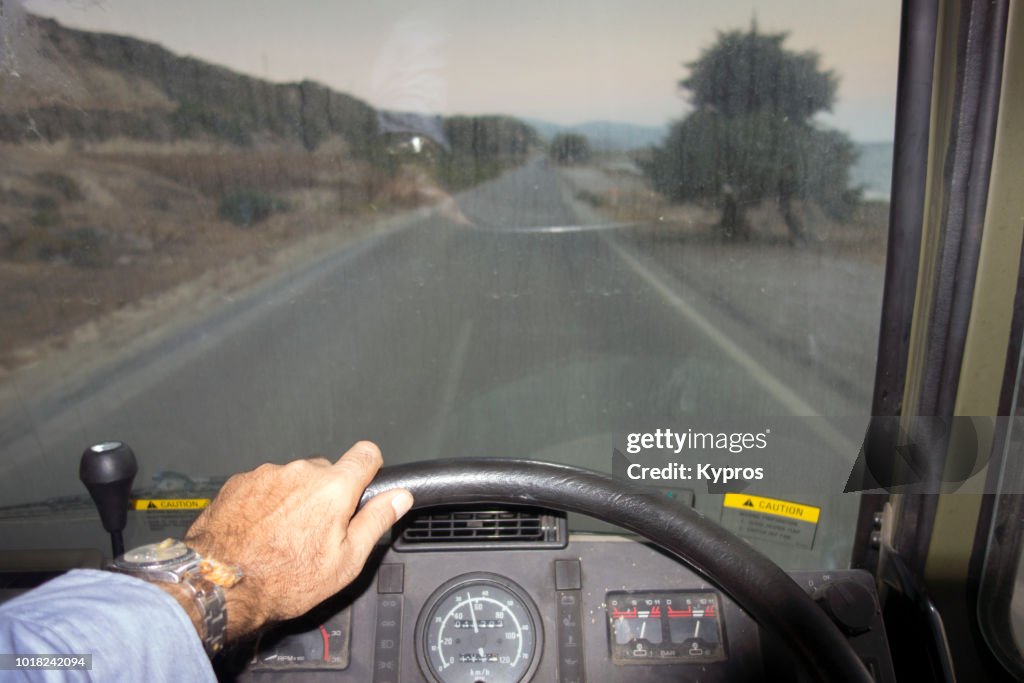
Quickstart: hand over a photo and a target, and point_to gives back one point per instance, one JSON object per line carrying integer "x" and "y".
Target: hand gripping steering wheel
{"x": 753, "y": 581}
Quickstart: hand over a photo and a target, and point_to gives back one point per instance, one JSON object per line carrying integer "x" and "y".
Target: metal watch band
{"x": 209, "y": 600}
{"x": 171, "y": 561}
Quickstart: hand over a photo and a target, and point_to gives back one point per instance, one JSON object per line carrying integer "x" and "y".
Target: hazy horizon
{"x": 568, "y": 64}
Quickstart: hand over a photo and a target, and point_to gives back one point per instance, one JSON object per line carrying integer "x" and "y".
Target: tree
{"x": 480, "y": 147}
{"x": 752, "y": 136}
{"x": 570, "y": 148}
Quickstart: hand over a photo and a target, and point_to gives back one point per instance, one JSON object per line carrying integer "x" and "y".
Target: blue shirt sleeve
{"x": 134, "y": 630}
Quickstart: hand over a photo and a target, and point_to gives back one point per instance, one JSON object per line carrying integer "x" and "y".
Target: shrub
{"x": 45, "y": 213}
{"x": 44, "y": 203}
{"x": 63, "y": 185}
{"x": 85, "y": 246}
{"x": 191, "y": 118}
{"x": 246, "y": 208}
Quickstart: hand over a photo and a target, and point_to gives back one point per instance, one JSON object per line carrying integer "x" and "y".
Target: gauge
{"x": 634, "y": 625}
{"x": 314, "y": 642}
{"x": 479, "y": 628}
{"x": 665, "y": 627}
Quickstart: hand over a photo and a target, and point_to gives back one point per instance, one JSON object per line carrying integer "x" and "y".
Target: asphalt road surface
{"x": 536, "y": 332}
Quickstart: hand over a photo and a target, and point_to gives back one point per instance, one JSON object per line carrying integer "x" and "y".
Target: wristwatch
{"x": 171, "y": 561}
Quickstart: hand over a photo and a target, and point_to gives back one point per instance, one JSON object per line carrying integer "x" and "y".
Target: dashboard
{"x": 600, "y": 608}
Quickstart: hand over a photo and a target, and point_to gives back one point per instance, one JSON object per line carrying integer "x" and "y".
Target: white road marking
{"x": 776, "y": 387}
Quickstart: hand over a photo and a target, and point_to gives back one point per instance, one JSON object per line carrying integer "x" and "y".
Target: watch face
{"x": 165, "y": 552}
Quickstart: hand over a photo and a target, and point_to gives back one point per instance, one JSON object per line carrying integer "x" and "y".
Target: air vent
{"x": 475, "y": 529}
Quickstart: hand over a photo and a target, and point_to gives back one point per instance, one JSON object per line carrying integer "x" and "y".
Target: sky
{"x": 565, "y": 61}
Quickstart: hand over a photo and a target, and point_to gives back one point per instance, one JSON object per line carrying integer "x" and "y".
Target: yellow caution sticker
{"x": 170, "y": 503}
{"x": 772, "y": 506}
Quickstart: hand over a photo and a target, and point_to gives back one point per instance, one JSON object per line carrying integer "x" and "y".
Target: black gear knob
{"x": 107, "y": 470}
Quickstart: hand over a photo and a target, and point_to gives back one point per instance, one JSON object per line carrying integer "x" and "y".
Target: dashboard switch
{"x": 391, "y": 579}
{"x": 568, "y": 575}
{"x": 850, "y": 605}
{"x": 570, "y": 637}
{"x": 387, "y": 636}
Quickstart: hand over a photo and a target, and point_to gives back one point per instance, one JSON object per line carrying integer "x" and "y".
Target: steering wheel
{"x": 753, "y": 581}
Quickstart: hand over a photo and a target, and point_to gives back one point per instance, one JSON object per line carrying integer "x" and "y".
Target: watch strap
{"x": 209, "y": 601}
{"x": 204, "y": 581}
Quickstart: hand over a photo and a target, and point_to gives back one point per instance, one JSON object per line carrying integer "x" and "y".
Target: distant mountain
{"x": 605, "y": 136}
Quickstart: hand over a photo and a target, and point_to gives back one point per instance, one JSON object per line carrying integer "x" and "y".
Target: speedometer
{"x": 479, "y": 628}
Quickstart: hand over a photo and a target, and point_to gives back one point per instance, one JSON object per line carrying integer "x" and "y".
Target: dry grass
{"x": 216, "y": 170}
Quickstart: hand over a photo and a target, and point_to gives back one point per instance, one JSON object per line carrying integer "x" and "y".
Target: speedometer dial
{"x": 479, "y": 628}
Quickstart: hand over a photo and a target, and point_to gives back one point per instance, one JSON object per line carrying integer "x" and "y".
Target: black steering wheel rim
{"x": 753, "y": 581}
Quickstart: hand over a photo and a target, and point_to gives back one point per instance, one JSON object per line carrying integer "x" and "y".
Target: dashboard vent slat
{"x": 464, "y": 529}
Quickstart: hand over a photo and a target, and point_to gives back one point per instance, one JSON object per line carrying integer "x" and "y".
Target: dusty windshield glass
{"x": 234, "y": 233}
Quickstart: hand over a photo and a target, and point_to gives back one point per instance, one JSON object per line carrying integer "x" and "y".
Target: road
{"x": 536, "y": 332}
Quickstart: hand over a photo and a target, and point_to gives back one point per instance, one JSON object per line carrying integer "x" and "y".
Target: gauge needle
{"x": 696, "y": 630}
{"x": 469, "y": 597}
{"x": 643, "y": 627}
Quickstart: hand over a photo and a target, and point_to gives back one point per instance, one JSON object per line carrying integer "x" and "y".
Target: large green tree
{"x": 752, "y": 137}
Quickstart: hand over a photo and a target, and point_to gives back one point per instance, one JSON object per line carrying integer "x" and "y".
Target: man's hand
{"x": 291, "y": 530}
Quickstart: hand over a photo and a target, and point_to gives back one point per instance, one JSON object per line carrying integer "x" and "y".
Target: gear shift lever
{"x": 107, "y": 470}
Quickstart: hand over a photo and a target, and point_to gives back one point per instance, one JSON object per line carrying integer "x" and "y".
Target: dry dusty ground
{"x": 103, "y": 245}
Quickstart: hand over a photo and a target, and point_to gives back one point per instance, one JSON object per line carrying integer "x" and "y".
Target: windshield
{"x": 233, "y": 233}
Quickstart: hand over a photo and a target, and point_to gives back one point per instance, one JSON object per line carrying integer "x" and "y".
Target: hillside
{"x": 94, "y": 87}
